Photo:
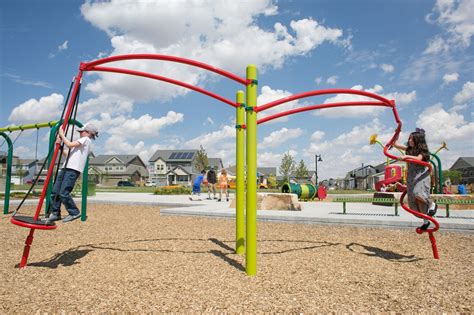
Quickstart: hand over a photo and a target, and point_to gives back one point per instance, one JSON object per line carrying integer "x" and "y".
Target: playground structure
{"x": 397, "y": 174}
{"x": 53, "y": 125}
{"x": 305, "y": 191}
{"x": 246, "y": 119}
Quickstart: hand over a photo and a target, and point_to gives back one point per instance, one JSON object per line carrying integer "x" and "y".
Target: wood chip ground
{"x": 131, "y": 259}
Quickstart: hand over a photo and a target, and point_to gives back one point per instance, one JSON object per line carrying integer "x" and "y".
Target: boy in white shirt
{"x": 73, "y": 167}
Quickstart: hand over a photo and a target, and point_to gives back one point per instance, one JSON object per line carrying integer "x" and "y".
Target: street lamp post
{"x": 317, "y": 158}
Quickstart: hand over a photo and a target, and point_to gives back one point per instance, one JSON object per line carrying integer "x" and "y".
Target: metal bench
{"x": 388, "y": 201}
{"x": 447, "y": 202}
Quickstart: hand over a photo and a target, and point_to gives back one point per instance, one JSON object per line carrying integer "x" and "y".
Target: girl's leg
{"x": 422, "y": 205}
{"x": 220, "y": 194}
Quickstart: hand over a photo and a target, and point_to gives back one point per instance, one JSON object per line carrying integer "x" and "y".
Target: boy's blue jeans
{"x": 62, "y": 192}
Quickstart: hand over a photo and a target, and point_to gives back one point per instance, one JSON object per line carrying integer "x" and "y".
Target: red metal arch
{"x": 95, "y": 66}
{"x": 323, "y": 92}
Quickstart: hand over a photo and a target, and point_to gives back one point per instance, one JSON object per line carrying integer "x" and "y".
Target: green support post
{"x": 240, "y": 173}
{"x": 6, "y": 201}
{"x": 85, "y": 187}
{"x": 251, "y": 201}
{"x": 440, "y": 173}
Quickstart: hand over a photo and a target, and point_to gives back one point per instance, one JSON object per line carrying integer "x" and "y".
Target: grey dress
{"x": 418, "y": 186}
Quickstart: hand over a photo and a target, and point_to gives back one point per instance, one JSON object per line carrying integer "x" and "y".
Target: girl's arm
{"x": 399, "y": 145}
{"x": 419, "y": 157}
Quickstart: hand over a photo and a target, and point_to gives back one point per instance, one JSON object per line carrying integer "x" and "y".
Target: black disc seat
{"x": 30, "y": 222}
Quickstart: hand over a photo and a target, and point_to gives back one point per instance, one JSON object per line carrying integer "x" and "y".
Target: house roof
{"x": 215, "y": 162}
{"x": 104, "y": 158}
{"x": 463, "y": 162}
{"x": 173, "y": 155}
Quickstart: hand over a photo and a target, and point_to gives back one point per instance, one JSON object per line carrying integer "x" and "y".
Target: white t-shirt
{"x": 78, "y": 155}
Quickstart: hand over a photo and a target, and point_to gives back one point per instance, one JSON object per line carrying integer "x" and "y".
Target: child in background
{"x": 197, "y": 186}
{"x": 418, "y": 176}
{"x": 211, "y": 183}
{"x": 223, "y": 185}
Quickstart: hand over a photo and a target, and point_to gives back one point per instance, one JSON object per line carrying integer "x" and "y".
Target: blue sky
{"x": 416, "y": 52}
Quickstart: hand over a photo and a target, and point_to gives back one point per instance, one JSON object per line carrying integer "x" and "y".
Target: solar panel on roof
{"x": 188, "y": 155}
{"x": 172, "y": 156}
{"x": 179, "y": 155}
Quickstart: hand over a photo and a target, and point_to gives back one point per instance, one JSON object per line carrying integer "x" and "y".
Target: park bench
{"x": 447, "y": 202}
{"x": 384, "y": 201}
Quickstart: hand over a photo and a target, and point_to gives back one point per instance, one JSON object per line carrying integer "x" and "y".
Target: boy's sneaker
{"x": 218, "y": 200}
{"x": 227, "y": 199}
{"x": 53, "y": 217}
{"x": 425, "y": 226}
{"x": 70, "y": 218}
{"x": 432, "y": 210}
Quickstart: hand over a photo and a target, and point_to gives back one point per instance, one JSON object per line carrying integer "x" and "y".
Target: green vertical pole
{"x": 240, "y": 173}
{"x": 440, "y": 173}
{"x": 85, "y": 184}
{"x": 251, "y": 201}
{"x": 6, "y": 201}
{"x": 52, "y": 139}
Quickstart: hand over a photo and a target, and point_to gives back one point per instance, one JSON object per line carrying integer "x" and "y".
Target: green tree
{"x": 272, "y": 181}
{"x": 201, "y": 162}
{"x": 301, "y": 170}
{"x": 454, "y": 176}
{"x": 287, "y": 166}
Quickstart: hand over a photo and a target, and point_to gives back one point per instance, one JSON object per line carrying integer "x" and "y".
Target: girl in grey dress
{"x": 418, "y": 176}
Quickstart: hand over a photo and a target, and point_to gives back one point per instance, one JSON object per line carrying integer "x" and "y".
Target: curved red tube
{"x": 323, "y": 92}
{"x": 165, "y": 79}
{"x": 87, "y": 66}
{"x": 319, "y": 106}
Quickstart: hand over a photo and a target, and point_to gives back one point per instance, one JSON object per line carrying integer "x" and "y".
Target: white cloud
{"x": 268, "y": 95}
{"x": 317, "y": 135}
{"x": 276, "y": 138}
{"x": 332, "y": 80}
{"x": 466, "y": 94}
{"x": 456, "y": 17}
{"x": 60, "y": 49}
{"x": 318, "y": 80}
{"x": 45, "y": 109}
{"x": 212, "y": 32}
{"x": 63, "y": 46}
{"x": 450, "y": 78}
{"x": 442, "y": 125}
{"x": 20, "y": 80}
{"x": 105, "y": 103}
{"x": 387, "y": 68}
{"x": 144, "y": 126}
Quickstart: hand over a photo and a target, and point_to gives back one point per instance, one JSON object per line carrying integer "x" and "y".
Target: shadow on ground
{"x": 380, "y": 253}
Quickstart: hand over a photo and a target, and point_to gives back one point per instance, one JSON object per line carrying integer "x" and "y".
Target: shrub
{"x": 172, "y": 190}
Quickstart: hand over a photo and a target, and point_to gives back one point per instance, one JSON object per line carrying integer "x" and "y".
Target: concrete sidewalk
{"x": 312, "y": 212}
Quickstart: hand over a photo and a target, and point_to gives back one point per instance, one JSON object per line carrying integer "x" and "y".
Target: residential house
{"x": 176, "y": 167}
{"x": 108, "y": 170}
{"x": 23, "y": 171}
{"x": 358, "y": 178}
{"x": 465, "y": 165}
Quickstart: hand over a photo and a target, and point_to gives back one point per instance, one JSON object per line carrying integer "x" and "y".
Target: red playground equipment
{"x": 250, "y": 125}
{"x": 393, "y": 175}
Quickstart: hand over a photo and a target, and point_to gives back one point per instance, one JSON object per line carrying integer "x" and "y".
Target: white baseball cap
{"x": 91, "y": 129}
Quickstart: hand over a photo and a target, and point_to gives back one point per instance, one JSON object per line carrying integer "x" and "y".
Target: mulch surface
{"x": 131, "y": 259}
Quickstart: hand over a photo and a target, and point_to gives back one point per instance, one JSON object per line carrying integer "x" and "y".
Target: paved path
{"x": 312, "y": 212}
